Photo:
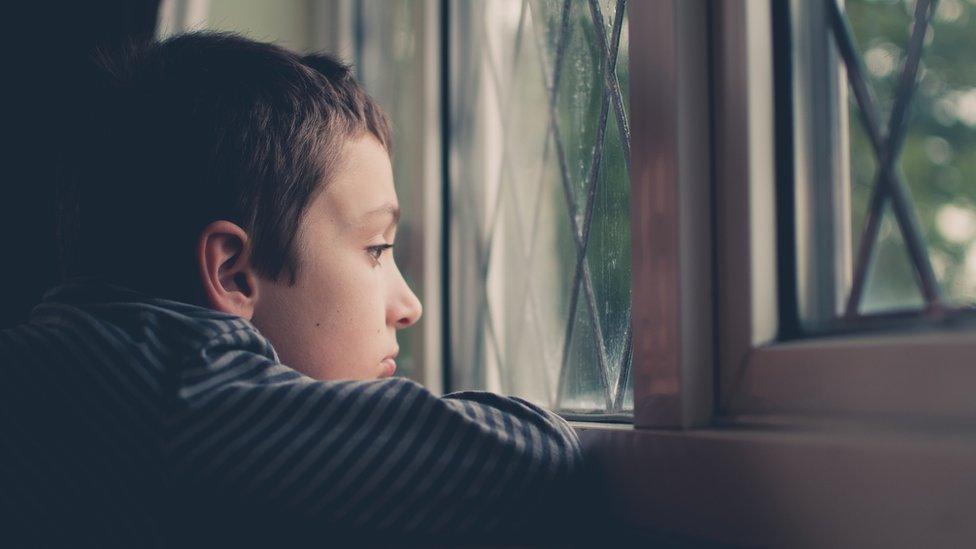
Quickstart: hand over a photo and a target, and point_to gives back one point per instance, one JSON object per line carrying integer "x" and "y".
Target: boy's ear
{"x": 224, "y": 258}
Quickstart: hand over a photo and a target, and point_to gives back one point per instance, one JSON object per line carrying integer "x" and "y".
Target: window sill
{"x": 786, "y": 486}
{"x": 918, "y": 376}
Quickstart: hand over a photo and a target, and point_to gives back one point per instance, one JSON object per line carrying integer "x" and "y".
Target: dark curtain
{"x": 46, "y": 45}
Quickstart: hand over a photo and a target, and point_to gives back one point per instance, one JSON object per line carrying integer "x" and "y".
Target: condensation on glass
{"x": 913, "y": 224}
{"x": 540, "y": 228}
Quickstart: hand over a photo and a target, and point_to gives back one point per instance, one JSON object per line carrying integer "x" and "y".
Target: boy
{"x": 217, "y": 367}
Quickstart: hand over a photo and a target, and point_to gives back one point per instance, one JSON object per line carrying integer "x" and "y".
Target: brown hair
{"x": 201, "y": 127}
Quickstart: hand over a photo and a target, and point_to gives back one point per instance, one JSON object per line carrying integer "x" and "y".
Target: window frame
{"x": 703, "y": 151}
{"x": 913, "y": 374}
{"x": 671, "y": 241}
{"x": 713, "y": 278}
{"x": 777, "y": 438}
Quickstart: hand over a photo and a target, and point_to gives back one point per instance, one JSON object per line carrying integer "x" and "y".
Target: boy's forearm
{"x": 386, "y": 456}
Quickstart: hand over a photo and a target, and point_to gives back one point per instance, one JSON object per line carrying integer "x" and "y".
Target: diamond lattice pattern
{"x": 540, "y": 241}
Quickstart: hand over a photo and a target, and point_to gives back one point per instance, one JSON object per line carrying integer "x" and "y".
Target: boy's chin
{"x": 382, "y": 372}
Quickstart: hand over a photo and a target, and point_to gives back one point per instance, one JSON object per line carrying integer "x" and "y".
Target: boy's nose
{"x": 406, "y": 309}
{"x": 411, "y": 310}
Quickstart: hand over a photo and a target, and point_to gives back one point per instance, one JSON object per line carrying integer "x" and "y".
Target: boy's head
{"x": 237, "y": 175}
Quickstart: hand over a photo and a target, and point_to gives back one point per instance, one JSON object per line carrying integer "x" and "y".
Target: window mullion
{"x": 670, "y": 215}
{"x": 745, "y": 193}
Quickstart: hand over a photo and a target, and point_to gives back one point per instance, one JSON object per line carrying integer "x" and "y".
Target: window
{"x": 515, "y": 114}
{"x": 739, "y": 216}
{"x": 900, "y": 216}
{"x": 872, "y": 317}
{"x": 934, "y": 180}
{"x": 725, "y": 230}
{"x": 540, "y": 226}
{"x": 800, "y": 429}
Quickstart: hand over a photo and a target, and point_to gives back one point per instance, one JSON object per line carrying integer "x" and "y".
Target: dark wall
{"x": 45, "y": 46}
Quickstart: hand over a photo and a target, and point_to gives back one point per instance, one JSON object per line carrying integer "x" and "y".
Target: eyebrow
{"x": 386, "y": 209}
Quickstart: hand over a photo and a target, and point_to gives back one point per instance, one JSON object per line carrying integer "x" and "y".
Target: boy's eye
{"x": 376, "y": 251}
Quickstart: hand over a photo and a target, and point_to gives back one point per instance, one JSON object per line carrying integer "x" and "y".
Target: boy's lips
{"x": 389, "y": 363}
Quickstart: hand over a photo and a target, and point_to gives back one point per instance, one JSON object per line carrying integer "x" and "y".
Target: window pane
{"x": 938, "y": 161}
{"x": 529, "y": 319}
{"x": 286, "y": 22}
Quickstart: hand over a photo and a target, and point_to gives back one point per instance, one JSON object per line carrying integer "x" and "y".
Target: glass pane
{"x": 939, "y": 156}
{"x": 628, "y": 394}
{"x": 284, "y": 23}
{"x": 582, "y": 382}
{"x": 608, "y": 253}
{"x": 891, "y": 279}
{"x": 881, "y": 30}
{"x": 520, "y": 182}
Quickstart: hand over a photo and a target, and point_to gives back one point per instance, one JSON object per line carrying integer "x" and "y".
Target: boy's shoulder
{"x": 106, "y": 310}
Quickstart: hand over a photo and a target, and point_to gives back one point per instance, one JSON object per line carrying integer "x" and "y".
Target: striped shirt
{"x": 128, "y": 420}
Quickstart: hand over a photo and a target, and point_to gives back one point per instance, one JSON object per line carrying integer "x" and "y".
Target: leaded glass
{"x": 540, "y": 240}
{"x": 913, "y": 79}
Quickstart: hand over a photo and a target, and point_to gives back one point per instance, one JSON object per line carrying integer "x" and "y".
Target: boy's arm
{"x": 382, "y": 456}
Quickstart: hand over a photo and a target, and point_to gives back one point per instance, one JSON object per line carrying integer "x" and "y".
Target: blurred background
{"x": 939, "y": 157}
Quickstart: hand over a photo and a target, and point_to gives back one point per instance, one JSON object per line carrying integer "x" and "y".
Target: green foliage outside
{"x": 578, "y": 105}
{"x": 938, "y": 161}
